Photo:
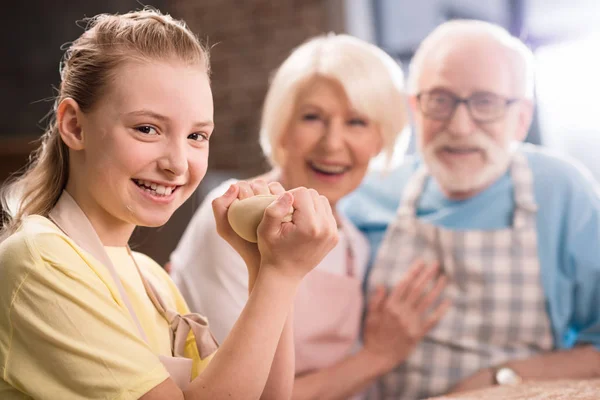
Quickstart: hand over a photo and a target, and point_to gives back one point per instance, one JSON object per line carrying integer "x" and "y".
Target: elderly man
{"x": 516, "y": 230}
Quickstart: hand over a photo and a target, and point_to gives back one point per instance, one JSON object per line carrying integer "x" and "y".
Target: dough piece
{"x": 245, "y": 215}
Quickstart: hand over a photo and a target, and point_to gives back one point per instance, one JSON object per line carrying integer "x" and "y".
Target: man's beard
{"x": 496, "y": 159}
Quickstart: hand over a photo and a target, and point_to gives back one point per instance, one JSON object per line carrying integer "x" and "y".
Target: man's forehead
{"x": 467, "y": 65}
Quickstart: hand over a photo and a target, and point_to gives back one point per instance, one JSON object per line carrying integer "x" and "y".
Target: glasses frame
{"x": 467, "y": 101}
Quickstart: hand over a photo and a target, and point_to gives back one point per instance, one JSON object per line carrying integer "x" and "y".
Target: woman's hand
{"x": 396, "y": 323}
{"x": 294, "y": 248}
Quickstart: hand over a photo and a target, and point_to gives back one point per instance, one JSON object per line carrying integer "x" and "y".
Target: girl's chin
{"x": 151, "y": 224}
{"x": 149, "y": 219}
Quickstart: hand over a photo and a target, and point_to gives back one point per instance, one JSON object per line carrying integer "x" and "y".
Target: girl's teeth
{"x": 152, "y": 187}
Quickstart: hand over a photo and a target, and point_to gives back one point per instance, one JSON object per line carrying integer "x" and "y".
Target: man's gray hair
{"x": 520, "y": 55}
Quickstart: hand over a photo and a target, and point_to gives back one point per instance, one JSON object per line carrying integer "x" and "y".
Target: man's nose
{"x": 461, "y": 123}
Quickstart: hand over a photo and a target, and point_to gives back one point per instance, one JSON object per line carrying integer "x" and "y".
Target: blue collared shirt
{"x": 568, "y": 226}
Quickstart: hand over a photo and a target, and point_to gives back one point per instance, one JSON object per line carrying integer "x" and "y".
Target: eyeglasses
{"x": 440, "y": 105}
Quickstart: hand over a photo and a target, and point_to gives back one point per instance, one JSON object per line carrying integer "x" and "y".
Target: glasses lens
{"x": 437, "y": 105}
{"x": 486, "y": 106}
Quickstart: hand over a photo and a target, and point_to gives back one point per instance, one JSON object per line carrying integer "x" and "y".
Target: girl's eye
{"x": 146, "y": 130}
{"x": 198, "y": 137}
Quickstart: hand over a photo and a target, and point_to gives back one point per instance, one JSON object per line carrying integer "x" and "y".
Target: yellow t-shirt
{"x": 65, "y": 333}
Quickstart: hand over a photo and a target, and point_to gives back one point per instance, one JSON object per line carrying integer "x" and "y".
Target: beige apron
{"x": 327, "y": 313}
{"x": 327, "y": 309}
{"x": 69, "y": 217}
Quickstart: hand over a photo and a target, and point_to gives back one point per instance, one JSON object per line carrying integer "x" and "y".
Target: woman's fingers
{"x": 377, "y": 299}
{"x": 398, "y": 293}
{"x": 436, "y": 315}
{"x": 421, "y": 284}
{"x": 430, "y": 298}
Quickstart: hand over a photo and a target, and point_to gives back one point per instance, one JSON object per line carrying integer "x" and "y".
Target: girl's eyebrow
{"x": 163, "y": 118}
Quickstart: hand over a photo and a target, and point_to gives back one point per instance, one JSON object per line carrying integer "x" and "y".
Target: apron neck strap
{"x": 412, "y": 192}
{"x": 71, "y": 219}
{"x": 522, "y": 179}
{"x": 150, "y": 289}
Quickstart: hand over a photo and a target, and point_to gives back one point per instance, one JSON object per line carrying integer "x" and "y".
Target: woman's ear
{"x": 379, "y": 142}
{"x": 69, "y": 125}
{"x": 413, "y": 104}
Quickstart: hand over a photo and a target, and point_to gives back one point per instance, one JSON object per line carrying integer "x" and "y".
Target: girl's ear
{"x": 68, "y": 124}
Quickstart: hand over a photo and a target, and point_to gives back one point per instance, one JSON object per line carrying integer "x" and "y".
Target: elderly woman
{"x": 334, "y": 104}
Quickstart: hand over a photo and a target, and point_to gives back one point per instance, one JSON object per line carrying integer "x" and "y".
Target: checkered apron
{"x": 498, "y": 308}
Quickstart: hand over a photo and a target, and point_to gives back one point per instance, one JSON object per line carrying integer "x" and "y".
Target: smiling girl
{"x": 81, "y": 316}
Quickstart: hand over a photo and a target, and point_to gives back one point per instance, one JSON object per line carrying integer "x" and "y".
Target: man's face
{"x": 465, "y": 155}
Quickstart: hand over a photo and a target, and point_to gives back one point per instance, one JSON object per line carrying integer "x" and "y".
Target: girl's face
{"x": 144, "y": 145}
{"x": 328, "y": 145}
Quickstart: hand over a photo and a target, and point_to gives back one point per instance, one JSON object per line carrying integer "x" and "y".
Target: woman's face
{"x": 327, "y": 145}
{"x": 145, "y": 143}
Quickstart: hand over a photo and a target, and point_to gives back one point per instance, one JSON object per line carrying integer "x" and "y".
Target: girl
{"x": 81, "y": 316}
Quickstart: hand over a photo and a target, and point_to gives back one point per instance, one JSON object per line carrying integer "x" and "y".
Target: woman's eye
{"x": 197, "y": 137}
{"x": 146, "y": 130}
{"x": 310, "y": 117}
{"x": 358, "y": 122}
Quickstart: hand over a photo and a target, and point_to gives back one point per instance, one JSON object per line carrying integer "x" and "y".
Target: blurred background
{"x": 250, "y": 38}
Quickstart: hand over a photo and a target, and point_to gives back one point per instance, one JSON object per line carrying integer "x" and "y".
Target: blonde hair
{"x": 86, "y": 70}
{"x": 521, "y": 57}
{"x": 371, "y": 79}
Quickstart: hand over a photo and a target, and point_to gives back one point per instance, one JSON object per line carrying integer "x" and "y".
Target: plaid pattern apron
{"x": 498, "y": 307}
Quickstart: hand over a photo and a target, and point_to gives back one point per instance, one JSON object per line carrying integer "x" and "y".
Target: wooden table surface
{"x": 552, "y": 390}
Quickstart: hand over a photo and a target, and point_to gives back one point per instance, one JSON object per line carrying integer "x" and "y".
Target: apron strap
{"x": 180, "y": 325}
{"x": 71, "y": 219}
{"x": 520, "y": 174}
{"x": 412, "y": 192}
{"x": 350, "y": 259}
{"x": 522, "y": 178}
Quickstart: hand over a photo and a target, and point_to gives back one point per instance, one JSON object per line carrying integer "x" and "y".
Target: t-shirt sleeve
{"x": 64, "y": 334}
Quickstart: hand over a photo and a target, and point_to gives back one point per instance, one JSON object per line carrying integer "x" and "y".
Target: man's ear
{"x": 69, "y": 125}
{"x": 525, "y": 117}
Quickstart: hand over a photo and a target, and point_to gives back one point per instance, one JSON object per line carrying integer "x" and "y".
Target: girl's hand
{"x": 242, "y": 190}
{"x": 294, "y": 248}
